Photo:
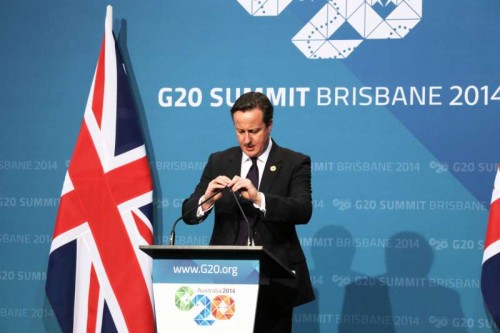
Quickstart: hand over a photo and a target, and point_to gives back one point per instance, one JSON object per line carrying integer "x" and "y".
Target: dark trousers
{"x": 269, "y": 318}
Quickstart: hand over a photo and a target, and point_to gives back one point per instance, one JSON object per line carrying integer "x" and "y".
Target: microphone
{"x": 250, "y": 239}
{"x": 172, "y": 233}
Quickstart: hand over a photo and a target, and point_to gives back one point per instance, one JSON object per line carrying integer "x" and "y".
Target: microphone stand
{"x": 250, "y": 239}
{"x": 172, "y": 233}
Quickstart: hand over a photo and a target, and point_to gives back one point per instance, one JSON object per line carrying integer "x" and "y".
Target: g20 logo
{"x": 221, "y": 307}
{"x": 317, "y": 39}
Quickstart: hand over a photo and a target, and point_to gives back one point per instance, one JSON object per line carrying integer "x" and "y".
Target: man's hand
{"x": 215, "y": 185}
{"x": 246, "y": 189}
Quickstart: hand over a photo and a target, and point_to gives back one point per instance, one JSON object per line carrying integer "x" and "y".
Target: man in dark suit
{"x": 274, "y": 185}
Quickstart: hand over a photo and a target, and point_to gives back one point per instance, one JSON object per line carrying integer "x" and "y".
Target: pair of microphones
{"x": 249, "y": 240}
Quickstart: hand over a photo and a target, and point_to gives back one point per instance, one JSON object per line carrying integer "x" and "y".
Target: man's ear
{"x": 270, "y": 126}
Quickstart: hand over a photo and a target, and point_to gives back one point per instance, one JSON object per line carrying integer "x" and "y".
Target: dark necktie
{"x": 253, "y": 175}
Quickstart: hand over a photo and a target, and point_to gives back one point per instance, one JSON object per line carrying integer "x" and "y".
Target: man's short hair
{"x": 253, "y": 100}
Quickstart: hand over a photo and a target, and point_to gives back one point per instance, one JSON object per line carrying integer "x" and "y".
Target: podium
{"x": 210, "y": 288}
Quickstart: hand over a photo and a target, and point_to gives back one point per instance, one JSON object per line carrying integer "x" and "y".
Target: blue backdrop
{"x": 402, "y": 129}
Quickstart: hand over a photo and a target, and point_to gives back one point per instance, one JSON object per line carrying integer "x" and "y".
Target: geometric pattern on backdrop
{"x": 323, "y": 36}
{"x": 264, "y": 8}
{"x": 97, "y": 279}
{"x": 340, "y": 26}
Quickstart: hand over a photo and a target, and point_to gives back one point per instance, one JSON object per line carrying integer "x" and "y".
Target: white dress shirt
{"x": 246, "y": 163}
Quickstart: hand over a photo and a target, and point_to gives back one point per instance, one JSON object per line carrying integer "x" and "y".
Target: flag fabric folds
{"x": 490, "y": 277}
{"x": 97, "y": 279}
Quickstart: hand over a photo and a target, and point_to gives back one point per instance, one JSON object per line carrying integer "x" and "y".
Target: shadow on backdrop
{"x": 404, "y": 299}
{"x": 332, "y": 260}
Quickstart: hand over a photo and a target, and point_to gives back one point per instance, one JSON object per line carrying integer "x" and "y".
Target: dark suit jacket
{"x": 286, "y": 184}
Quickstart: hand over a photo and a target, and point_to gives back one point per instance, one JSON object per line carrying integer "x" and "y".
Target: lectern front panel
{"x": 205, "y": 295}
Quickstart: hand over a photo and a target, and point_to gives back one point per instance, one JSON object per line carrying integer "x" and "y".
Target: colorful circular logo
{"x": 184, "y": 298}
{"x": 221, "y": 307}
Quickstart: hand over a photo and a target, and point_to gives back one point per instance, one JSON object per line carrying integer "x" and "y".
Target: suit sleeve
{"x": 190, "y": 204}
{"x": 296, "y": 206}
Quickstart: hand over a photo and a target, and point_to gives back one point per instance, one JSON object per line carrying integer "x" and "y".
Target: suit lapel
{"x": 272, "y": 168}
{"x": 233, "y": 166}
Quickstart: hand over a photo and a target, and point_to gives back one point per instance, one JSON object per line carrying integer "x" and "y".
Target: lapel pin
{"x": 273, "y": 168}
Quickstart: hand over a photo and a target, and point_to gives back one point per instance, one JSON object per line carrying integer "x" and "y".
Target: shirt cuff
{"x": 200, "y": 212}
{"x": 262, "y": 206}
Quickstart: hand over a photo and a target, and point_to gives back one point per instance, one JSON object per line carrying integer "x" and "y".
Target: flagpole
{"x": 108, "y": 26}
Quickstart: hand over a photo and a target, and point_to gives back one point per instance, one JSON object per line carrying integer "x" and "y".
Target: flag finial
{"x": 109, "y": 19}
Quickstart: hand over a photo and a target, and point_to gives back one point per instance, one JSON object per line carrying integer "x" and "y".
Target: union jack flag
{"x": 97, "y": 279}
{"x": 490, "y": 277}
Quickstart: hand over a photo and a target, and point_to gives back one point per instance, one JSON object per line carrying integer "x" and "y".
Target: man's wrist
{"x": 203, "y": 207}
{"x": 258, "y": 202}
{"x": 261, "y": 204}
{"x": 208, "y": 203}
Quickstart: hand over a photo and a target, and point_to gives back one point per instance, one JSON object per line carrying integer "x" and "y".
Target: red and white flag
{"x": 97, "y": 279}
{"x": 490, "y": 277}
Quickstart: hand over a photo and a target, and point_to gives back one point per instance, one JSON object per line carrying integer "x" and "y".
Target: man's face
{"x": 251, "y": 131}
